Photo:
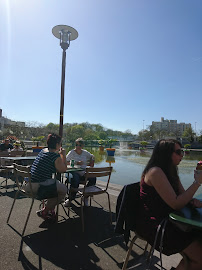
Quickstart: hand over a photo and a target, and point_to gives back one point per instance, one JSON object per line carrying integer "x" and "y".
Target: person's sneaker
{"x": 67, "y": 203}
{"x": 86, "y": 202}
{"x": 51, "y": 216}
{"x": 41, "y": 214}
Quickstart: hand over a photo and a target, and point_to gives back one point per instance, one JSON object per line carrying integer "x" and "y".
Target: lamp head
{"x": 65, "y": 34}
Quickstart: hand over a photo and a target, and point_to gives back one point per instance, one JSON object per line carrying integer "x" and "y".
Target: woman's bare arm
{"x": 181, "y": 188}
{"x": 156, "y": 178}
{"x": 61, "y": 162}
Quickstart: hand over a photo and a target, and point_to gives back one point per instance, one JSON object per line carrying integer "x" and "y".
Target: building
{"x": 170, "y": 126}
{"x": 5, "y": 122}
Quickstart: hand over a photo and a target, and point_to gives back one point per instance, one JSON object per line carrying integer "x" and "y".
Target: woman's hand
{"x": 62, "y": 151}
{"x": 196, "y": 203}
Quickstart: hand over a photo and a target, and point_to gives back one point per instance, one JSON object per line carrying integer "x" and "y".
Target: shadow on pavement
{"x": 64, "y": 244}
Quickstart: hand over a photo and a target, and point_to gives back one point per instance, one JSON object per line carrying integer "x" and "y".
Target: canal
{"x": 128, "y": 165}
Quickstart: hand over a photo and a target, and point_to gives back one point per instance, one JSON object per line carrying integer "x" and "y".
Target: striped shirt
{"x": 43, "y": 166}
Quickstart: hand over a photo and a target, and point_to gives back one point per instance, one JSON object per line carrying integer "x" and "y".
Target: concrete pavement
{"x": 63, "y": 245}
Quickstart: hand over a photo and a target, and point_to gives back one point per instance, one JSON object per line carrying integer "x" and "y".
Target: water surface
{"x": 128, "y": 165}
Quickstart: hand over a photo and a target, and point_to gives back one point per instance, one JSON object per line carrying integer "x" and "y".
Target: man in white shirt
{"x": 83, "y": 158}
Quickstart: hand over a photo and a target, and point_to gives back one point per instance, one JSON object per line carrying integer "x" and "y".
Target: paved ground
{"x": 63, "y": 245}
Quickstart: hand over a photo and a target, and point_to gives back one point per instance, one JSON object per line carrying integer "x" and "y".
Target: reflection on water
{"x": 129, "y": 164}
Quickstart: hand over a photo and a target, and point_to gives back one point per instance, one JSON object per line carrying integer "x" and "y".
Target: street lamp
{"x": 65, "y": 34}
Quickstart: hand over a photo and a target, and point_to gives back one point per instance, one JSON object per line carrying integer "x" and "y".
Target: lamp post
{"x": 65, "y": 34}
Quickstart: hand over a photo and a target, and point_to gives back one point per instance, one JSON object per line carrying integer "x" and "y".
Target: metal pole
{"x": 62, "y": 92}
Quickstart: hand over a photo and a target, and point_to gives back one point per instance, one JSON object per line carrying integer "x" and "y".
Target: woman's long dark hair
{"x": 162, "y": 158}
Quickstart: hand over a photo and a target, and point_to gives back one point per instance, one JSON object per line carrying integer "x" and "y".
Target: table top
{"x": 76, "y": 168}
{"x": 19, "y": 158}
{"x": 189, "y": 215}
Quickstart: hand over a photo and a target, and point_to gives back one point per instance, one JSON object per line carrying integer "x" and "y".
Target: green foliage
{"x": 187, "y": 146}
{"x": 145, "y": 134}
{"x": 101, "y": 142}
{"x": 200, "y": 139}
{"x": 143, "y": 143}
{"x": 111, "y": 142}
{"x": 22, "y": 145}
{"x": 39, "y": 138}
{"x": 70, "y": 131}
{"x": 189, "y": 134}
{"x": 52, "y": 128}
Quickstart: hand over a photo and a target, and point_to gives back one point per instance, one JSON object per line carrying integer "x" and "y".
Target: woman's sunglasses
{"x": 79, "y": 145}
{"x": 179, "y": 152}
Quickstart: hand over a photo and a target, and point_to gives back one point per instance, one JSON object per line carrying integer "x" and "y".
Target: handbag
{"x": 46, "y": 192}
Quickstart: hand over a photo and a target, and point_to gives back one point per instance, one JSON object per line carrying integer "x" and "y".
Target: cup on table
{"x": 72, "y": 162}
{"x": 198, "y": 176}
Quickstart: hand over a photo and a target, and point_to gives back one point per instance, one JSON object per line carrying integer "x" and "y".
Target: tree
{"x": 38, "y": 139}
{"x": 189, "y": 134}
{"x": 52, "y": 128}
{"x": 90, "y": 135}
{"x": 145, "y": 134}
{"x": 102, "y": 135}
{"x": 75, "y": 132}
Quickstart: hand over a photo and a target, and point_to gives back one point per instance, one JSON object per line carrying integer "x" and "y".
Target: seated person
{"x": 17, "y": 146}
{"x": 161, "y": 192}
{"x": 6, "y": 145}
{"x": 50, "y": 160}
{"x": 83, "y": 158}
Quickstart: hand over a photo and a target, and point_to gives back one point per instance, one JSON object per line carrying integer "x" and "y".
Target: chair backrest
{"x": 23, "y": 171}
{"x": 99, "y": 172}
{"x": 17, "y": 153}
{"x": 126, "y": 208}
{"x": 4, "y": 154}
{"x": 28, "y": 154}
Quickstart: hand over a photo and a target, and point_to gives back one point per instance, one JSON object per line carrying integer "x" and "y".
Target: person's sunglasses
{"x": 79, "y": 145}
{"x": 179, "y": 152}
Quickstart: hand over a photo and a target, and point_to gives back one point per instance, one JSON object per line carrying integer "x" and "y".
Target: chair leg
{"x": 6, "y": 181}
{"x": 6, "y": 186}
{"x": 186, "y": 260}
{"x": 82, "y": 216}
{"x": 145, "y": 249}
{"x": 129, "y": 252}
{"x": 57, "y": 211}
{"x": 16, "y": 195}
{"x": 90, "y": 200}
{"x": 28, "y": 217}
{"x": 109, "y": 208}
{"x": 69, "y": 200}
{"x": 65, "y": 210}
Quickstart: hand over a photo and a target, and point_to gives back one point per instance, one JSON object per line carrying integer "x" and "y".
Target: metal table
{"x": 189, "y": 216}
{"x": 20, "y": 160}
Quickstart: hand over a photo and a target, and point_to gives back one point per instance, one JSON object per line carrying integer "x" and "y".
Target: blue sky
{"x": 134, "y": 60}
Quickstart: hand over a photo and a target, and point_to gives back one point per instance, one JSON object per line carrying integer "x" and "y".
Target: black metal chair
{"x": 24, "y": 172}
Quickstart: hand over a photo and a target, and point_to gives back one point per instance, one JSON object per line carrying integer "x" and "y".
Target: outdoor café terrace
{"x": 64, "y": 245}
